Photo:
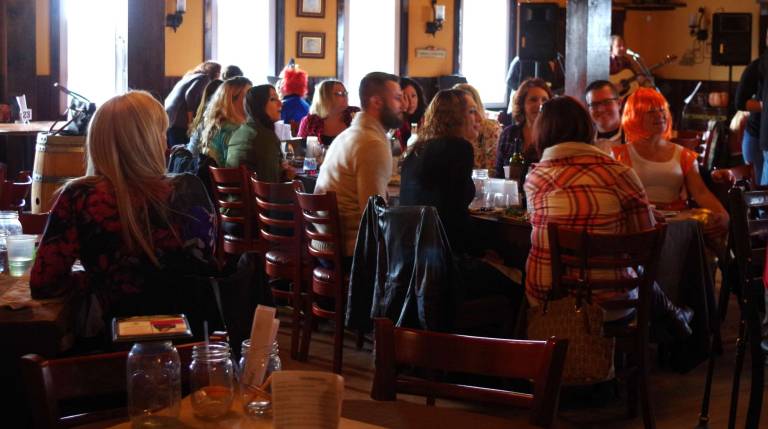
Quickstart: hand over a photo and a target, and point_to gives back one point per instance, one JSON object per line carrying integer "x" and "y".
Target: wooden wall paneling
{"x": 587, "y": 43}
{"x": 58, "y": 102}
{"x": 279, "y": 36}
{"x": 208, "y": 29}
{"x": 146, "y": 46}
{"x": 403, "y": 54}
{"x": 20, "y": 52}
{"x": 341, "y": 34}
{"x": 3, "y": 61}
{"x": 456, "y": 68}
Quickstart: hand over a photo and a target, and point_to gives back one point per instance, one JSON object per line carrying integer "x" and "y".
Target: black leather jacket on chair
{"x": 402, "y": 269}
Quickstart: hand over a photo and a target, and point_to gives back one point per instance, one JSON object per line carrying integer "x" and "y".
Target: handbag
{"x": 589, "y": 359}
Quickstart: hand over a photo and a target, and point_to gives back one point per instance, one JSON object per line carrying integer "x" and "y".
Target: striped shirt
{"x": 579, "y": 186}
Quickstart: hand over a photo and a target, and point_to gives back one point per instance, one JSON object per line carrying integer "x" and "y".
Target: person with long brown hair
{"x": 126, "y": 220}
{"x": 518, "y": 138}
{"x": 578, "y": 186}
{"x": 437, "y": 171}
{"x": 223, "y": 116}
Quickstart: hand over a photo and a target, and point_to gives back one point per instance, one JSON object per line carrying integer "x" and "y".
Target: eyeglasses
{"x": 602, "y": 103}
{"x": 341, "y": 93}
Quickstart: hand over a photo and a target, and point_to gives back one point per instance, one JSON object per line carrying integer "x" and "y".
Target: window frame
{"x": 512, "y": 38}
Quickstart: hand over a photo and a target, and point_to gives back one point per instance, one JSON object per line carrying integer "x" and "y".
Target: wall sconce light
{"x": 698, "y": 25}
{"x": 438, "y": 13}
{"x": 175, "y": 19}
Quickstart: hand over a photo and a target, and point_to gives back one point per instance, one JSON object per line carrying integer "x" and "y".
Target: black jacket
{"x": 402, "y": 269}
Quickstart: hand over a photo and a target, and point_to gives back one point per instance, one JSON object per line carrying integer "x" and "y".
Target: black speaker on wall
{"x": 731, "y": 39}
{"x": 538, "y": 31}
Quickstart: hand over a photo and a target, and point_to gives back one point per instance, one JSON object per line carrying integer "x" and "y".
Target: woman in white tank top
{"x": 668, "y": 171}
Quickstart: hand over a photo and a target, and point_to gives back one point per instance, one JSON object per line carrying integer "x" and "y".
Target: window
{"x": 371, "y": 41}
{"x": 97, "y": 47}
{"x": 244, "y": 35}
{"x": 484, "y": 47}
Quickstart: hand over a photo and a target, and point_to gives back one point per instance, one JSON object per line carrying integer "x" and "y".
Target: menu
{"x": 307, "y": 399}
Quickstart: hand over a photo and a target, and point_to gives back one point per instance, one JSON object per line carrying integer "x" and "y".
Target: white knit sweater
{"x": 358, "y": 164}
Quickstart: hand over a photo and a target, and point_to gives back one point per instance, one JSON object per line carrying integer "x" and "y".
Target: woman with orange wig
{"x": 669, "y": 172}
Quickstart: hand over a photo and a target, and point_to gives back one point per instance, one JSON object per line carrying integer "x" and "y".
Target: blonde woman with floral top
{"x": 484, "y": 145}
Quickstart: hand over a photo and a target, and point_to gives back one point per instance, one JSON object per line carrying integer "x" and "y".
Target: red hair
{"x": 640, "y": 102}
{"x": 294, "y": 81}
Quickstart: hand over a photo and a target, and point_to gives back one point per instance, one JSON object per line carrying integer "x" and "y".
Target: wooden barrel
{"x": 57, "y": 159}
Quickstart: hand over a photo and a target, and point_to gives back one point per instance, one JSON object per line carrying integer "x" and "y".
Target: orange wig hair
{"x": 640, "y": 102}
{"x": 295, "y": 81}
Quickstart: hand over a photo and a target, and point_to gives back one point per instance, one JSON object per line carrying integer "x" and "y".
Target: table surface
{"x": 361, "y": 414}
{"x": 44, "y": 329}
{"x": 30, "y": 128}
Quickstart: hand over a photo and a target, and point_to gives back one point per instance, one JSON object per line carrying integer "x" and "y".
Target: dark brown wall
{"x": 146, "y": 46}
{"x": 19, "y": 35}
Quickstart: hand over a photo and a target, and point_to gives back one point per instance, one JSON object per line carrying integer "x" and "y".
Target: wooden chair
{"x": 33, "y": 223}
{"x": 280, "y": 224}
{"x": 14, "y": 193}
{"x": 749, "y": 234}
{"x": 234, "y": 201}
{"x": 575, "y": 253}
{"x": 50, "y": 383}
{"x": 321, "y": 224}
{"x": 539, "y": 361}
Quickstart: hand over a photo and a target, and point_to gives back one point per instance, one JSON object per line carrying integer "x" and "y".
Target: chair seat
{"x": 323, "y": 274}
{"x": 279, "y": 257}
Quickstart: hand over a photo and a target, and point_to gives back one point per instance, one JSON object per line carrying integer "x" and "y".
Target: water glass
{"x": 21, "y": 253}
{"x": 257, "y": 401}
{"x": 310, "y": 165}
{"x": 154, "y": 385}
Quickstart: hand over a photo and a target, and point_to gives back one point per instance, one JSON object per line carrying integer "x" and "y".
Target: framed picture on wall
{"x": 310, "y": 8}
{"x": 310, "y": 45}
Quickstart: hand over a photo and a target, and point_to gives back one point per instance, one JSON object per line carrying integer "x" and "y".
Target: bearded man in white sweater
{"x": 359, "y": 162}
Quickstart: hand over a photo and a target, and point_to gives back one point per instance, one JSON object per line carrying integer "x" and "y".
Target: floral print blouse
{"x": 314, "y": 125}
{"x": 84, "y": 224}
{"x": 485, "y": 145}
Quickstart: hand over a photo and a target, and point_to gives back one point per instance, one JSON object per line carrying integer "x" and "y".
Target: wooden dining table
{"x": 359, "y": 414}
{"x": 17, "y": 144}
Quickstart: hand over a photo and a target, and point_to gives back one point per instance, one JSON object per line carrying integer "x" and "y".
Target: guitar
{"x": 626, "y": 79}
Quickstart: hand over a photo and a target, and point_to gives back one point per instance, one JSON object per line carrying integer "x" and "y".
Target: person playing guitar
{"x": 627, "y": 70}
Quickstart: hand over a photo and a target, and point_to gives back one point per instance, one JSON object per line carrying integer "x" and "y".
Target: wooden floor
{"x": 676, "y": 398}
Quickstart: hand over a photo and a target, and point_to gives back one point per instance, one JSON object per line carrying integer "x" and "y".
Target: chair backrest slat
{"x": 233, "y": 200}
{"x": 279, "y": 215}
{"x": 538, "y": 361}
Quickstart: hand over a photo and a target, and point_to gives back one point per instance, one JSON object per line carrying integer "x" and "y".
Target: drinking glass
{"x": 21, "y": 253}
{"x": 310, "y": 165}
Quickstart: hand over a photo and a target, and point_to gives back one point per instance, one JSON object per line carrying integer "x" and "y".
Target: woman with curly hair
{"x": 488, "y": 138}
{"x": 669, "y": 172}
{"x": 518, "y": 138}
{"x": 224, "y": 115}
{"x": 329, "y": 114}
{"x": 437, "y": 171}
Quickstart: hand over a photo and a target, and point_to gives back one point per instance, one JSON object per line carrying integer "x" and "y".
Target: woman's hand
{"x": 723, "y": 176}
{"x": 717, "y": 224}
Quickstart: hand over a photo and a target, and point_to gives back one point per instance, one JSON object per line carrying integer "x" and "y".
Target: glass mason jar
{"x": 256, "y": 401}
{"x": 212, "y": 380}
{"x": 9, "y": 225}
{"x": 154, "y": 385}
